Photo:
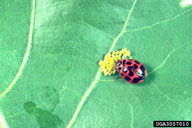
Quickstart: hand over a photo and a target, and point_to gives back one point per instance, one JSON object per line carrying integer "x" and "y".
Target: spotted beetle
{"x": 132, "y": 71}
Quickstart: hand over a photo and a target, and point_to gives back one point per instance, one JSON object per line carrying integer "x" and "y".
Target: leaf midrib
{"x": 93, "y": 84}
{"x": 25, "y": 58}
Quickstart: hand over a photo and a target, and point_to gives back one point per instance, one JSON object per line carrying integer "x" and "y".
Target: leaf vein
{"x": 87, "y": 93}
{"x": 159, "y": 22}
{"x": 25, "y": 58}
{"x": 165, "y": 60}
{"x": 54, "y": 4}
{"x": 167, "y": 97}
{"x": 131, "y": 107}
{"x": 83, "y": 22}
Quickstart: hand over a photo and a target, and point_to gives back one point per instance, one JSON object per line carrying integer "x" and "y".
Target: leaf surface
{"x": 49, "y": 53}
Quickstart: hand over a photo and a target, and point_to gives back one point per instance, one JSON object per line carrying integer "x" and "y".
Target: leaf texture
{"x": 49, "y": 53}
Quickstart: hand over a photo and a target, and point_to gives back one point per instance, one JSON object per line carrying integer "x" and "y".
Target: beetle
{"x": 131, "y": 70}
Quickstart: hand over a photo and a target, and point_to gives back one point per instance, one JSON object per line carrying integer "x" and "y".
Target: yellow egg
{"x": 108, "y": 65}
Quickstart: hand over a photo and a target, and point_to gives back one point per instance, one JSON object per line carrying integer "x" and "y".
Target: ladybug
{"x": 132, "y": 71}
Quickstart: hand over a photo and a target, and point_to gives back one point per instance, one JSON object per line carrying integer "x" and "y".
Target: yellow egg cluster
{"x": 108, "y": 65}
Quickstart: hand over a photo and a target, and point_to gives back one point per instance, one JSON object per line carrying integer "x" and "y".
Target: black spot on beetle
{"x": 130, "y": 73}
{"x": 137, "y": 62}
{"x": 127, "y": 78}
{"x": 133, "y": 67}
{"x": 122, "y": 74}
{"x": 123, "y": 62}
{"x": 119, "y": 69}
{"x": 136, "y": 80}
{"x": 128, "y": 63}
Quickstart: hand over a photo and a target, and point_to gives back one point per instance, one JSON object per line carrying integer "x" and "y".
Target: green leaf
{"x": 49, "y": 52}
